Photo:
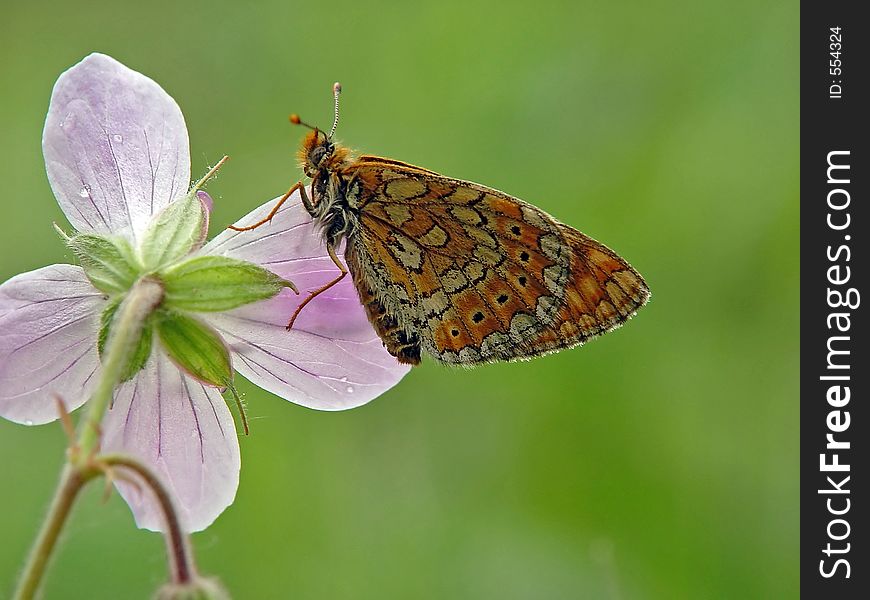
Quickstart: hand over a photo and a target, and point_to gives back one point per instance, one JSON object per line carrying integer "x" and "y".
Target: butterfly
{"x": 455, "y": 270}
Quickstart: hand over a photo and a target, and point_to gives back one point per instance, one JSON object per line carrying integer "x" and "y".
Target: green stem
{"x": 142, "y": 299}
{"x": 145, "y": 295}
{"x": 71, "y": 481}
{"x": 181, "y": 564}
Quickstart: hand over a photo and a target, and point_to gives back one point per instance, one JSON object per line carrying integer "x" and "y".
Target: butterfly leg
{"x": 321, "y": 289}
{"x": 298, "y": 186}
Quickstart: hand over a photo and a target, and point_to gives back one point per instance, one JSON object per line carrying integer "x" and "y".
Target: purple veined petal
{"x": 206, "y": 200}
{"x": 292, "y": 246}
{"x": 49, "y": 320}
{"x": 207, "y": 204}
{"x": 185, "y": 433}
{"x": 332, "y": 359}
{"x": 325, "y": 368}
{"x": 282, "y": 245}
{"x": 115, "y": 145}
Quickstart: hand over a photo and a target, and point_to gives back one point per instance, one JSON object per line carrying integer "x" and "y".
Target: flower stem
{"x": 145, "y": 295}
{"x": 141, "y": 300}
{"x": 71, "y": 481}
{"x": 181, "y": 564}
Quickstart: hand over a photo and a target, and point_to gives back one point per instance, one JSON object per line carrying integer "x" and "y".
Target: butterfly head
{"x": 318, "y": 152}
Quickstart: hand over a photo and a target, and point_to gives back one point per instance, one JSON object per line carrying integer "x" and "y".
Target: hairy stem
{"x": 145, "y": 295}
{"x": 141, "y": 300}
{"x": 181, "y": 564}
{"x": 71, "y": 481}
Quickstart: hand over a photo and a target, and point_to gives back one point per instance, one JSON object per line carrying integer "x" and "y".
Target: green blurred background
{"x": 658, "y": 462}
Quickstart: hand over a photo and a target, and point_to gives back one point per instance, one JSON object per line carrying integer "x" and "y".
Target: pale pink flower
{"x": 116, "y": 153}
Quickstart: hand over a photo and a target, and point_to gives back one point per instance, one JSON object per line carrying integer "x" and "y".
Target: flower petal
{"x": 49, "y": 319}
{"x": 185, "y": 433}
{"x": 321, "y": 371}
{"x": 115, "y": 145}
{"x": 332, "y": 359}
{"x": 292, "y": 247}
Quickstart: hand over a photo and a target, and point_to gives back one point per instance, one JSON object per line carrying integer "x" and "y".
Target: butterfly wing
{"x": 475, "y": 275}
{"x": 604, "y": 291}
{"x": 402, "y": 343}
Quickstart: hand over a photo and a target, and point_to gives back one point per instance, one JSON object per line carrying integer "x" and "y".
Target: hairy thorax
{"x": 334, "y": 206}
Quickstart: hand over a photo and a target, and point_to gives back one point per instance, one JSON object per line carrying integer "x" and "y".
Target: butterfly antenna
{"x": 336, "y": 90}
{"x": 294, "y": 118}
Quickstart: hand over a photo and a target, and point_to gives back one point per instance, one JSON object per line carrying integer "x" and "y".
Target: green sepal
{"x": 107, "y": 262}
{"x": 195, "y": 348}
{"x": 176, "y": 231}
{"x": 143, "y": 347}
{"x": 218, "y": 283}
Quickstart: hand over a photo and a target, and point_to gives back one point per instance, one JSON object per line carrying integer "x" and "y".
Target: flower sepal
{"x": 218, "y": 283}
{"x": 144, "y": 343}
{"x": 108, "y": 262}
{"x": 174, "y": 232}
{"x": 195, "y": 348}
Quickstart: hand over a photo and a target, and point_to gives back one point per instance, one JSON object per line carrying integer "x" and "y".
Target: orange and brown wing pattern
{"x": 476, "y": 274}
{"x": 399, "y": 342}
{"x": 603, "y": 293}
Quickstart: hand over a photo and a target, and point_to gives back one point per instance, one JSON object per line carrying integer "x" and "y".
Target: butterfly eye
{"x": 319, "y": 154}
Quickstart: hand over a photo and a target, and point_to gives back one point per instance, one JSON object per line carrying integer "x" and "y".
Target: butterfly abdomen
{"x": 401, "y": 341}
